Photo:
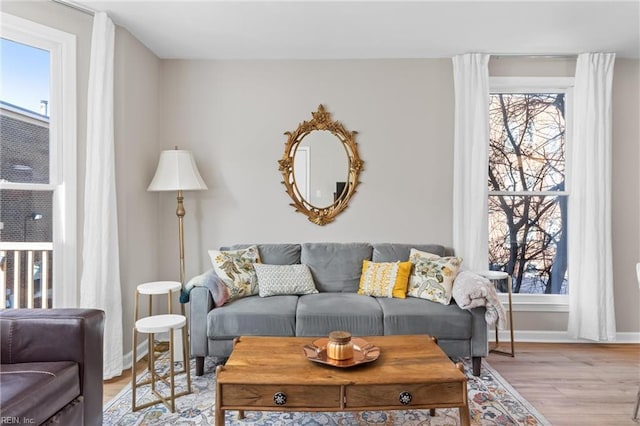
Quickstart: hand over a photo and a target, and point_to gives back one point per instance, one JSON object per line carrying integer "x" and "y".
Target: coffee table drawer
{"x": 280, "y": 396}
{"x": 445, "y": 394}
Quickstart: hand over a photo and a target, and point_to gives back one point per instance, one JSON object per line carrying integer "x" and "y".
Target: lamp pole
{"x": 180, "y": 213}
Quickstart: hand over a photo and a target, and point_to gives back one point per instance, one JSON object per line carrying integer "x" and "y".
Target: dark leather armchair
{"x": 51, "y": 366}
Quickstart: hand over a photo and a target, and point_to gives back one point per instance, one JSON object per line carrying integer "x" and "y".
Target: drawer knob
{"x": 405, "y": 398}
{"x": 280, "y": 398}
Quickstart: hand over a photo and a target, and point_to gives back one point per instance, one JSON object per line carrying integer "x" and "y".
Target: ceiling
{"x": 376, "y": 29}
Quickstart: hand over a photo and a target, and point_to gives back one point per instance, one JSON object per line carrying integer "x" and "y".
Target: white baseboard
{"x": 542, "y": 336}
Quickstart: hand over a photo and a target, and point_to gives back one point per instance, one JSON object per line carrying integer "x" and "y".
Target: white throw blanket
{"x": 472, "y": 290}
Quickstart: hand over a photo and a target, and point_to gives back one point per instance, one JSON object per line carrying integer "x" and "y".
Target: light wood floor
{"x": 575, "y": 384}
{"x": 570, "y": 384}
{"x": 112, "y": 387}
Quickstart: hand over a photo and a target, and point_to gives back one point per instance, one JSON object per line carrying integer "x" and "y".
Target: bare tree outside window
{"x": 527, "y": 204}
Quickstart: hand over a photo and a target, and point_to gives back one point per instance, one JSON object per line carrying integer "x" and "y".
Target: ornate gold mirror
{"x": 320, "y": 167}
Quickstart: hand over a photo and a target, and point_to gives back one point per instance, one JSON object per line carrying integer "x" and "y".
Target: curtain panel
{"x": 471, "y": 159}
{"x": 591, "y": 314}
{"x": 100, "y": 282}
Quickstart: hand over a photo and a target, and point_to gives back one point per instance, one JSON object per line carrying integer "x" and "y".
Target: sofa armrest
{"x": 200, "y": 303}
{"x": 479, "y": 337}
{"x": 45, "y": 335}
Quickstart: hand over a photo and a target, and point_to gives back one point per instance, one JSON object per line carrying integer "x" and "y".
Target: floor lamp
{"x": 177, "y": 171}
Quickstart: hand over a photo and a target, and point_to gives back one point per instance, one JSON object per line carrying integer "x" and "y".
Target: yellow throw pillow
{"x": 386, "y": 279}
{"x": 432, "y": 276}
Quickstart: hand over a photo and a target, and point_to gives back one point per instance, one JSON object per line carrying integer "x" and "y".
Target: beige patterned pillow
{"x": 284, "y": 279}
{"x": 235, "y": 269}
{"x": 432, "y": 276}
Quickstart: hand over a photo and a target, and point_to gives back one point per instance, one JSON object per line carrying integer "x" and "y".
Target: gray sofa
{"x": 336, "y": 270}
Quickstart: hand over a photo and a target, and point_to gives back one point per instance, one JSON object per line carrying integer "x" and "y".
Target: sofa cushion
{"x": 319, "y": 314}
{"x": 37, "y": 390}
{"x": 420, "y": 316}
{"x": 393, "y": 252}
{"x": 274, "y": 254}
{"x": 254, "y": 316}
{"x": 336, "y": 267}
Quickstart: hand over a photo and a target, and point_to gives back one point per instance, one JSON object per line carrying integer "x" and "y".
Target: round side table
{"x": 166, "y": 323}
{"x": 495, "y": 276}
{"x": 157, "y": 288}
{"x": 160, "y": 288}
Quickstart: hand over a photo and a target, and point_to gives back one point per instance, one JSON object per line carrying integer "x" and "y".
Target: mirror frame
{"x": 321, "y": 120}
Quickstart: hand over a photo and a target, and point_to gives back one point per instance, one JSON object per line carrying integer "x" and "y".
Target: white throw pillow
{"x": 432, "y": 276}
{"x": 284, "y": 279}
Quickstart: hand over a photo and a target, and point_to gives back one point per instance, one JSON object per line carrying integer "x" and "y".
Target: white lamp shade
{"x": 176, "y": 171}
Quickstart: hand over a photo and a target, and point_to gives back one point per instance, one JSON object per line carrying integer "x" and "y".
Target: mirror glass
{"x": 320, "y": 167}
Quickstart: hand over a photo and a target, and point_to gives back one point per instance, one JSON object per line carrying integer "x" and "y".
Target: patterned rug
{"x": 492, "y": 401}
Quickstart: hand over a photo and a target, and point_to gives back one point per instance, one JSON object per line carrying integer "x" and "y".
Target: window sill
{"x": 536, "y": 302}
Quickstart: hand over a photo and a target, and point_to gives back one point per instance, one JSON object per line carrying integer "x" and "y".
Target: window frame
{"x": 539, "y": 302}
{"x": 63, "y": 146}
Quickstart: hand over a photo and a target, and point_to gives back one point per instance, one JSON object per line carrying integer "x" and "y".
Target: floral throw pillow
{"x": 235, "y": 269}
{"x": 432, "y": 276}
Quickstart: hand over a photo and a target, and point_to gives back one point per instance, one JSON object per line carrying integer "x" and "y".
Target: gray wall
{"x": 626, "y": 191}
{"x": 137, "y": 75}
{"x": 232, "y": 114}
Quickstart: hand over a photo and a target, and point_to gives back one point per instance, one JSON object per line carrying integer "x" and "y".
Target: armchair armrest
{"x": 45, "y": 335}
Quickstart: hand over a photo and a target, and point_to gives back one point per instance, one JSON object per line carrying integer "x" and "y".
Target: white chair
{"x": 635, "y": 409}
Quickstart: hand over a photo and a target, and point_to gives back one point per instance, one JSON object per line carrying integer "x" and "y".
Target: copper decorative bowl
{"x": 363, "y": 352}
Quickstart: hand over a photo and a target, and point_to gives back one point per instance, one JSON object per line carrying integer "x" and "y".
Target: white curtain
{"x": 471, "y": 160}
{"x": 100, "y": 282}
{"x": 591, "y": 314}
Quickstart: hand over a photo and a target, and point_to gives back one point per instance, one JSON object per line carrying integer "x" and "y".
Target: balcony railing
{"x": 26, "y": 275}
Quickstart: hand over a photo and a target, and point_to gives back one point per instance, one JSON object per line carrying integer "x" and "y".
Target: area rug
{"x": 492, "y": 401}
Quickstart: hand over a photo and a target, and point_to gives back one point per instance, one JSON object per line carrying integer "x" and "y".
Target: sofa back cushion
{"x": 274, "y": 254}
{"x": 394, "y": 252}
{"x": 336, "y": 267}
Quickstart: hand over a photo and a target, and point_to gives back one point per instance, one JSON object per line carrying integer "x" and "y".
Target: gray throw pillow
{"x": 284, "y": 279}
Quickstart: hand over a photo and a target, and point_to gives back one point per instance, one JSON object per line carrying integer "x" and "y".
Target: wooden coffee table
{"x": 273, "y": 374}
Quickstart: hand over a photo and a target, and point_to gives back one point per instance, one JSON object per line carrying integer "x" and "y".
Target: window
{"x": 37, "y": 166}
{"x": 527, "y": 205}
